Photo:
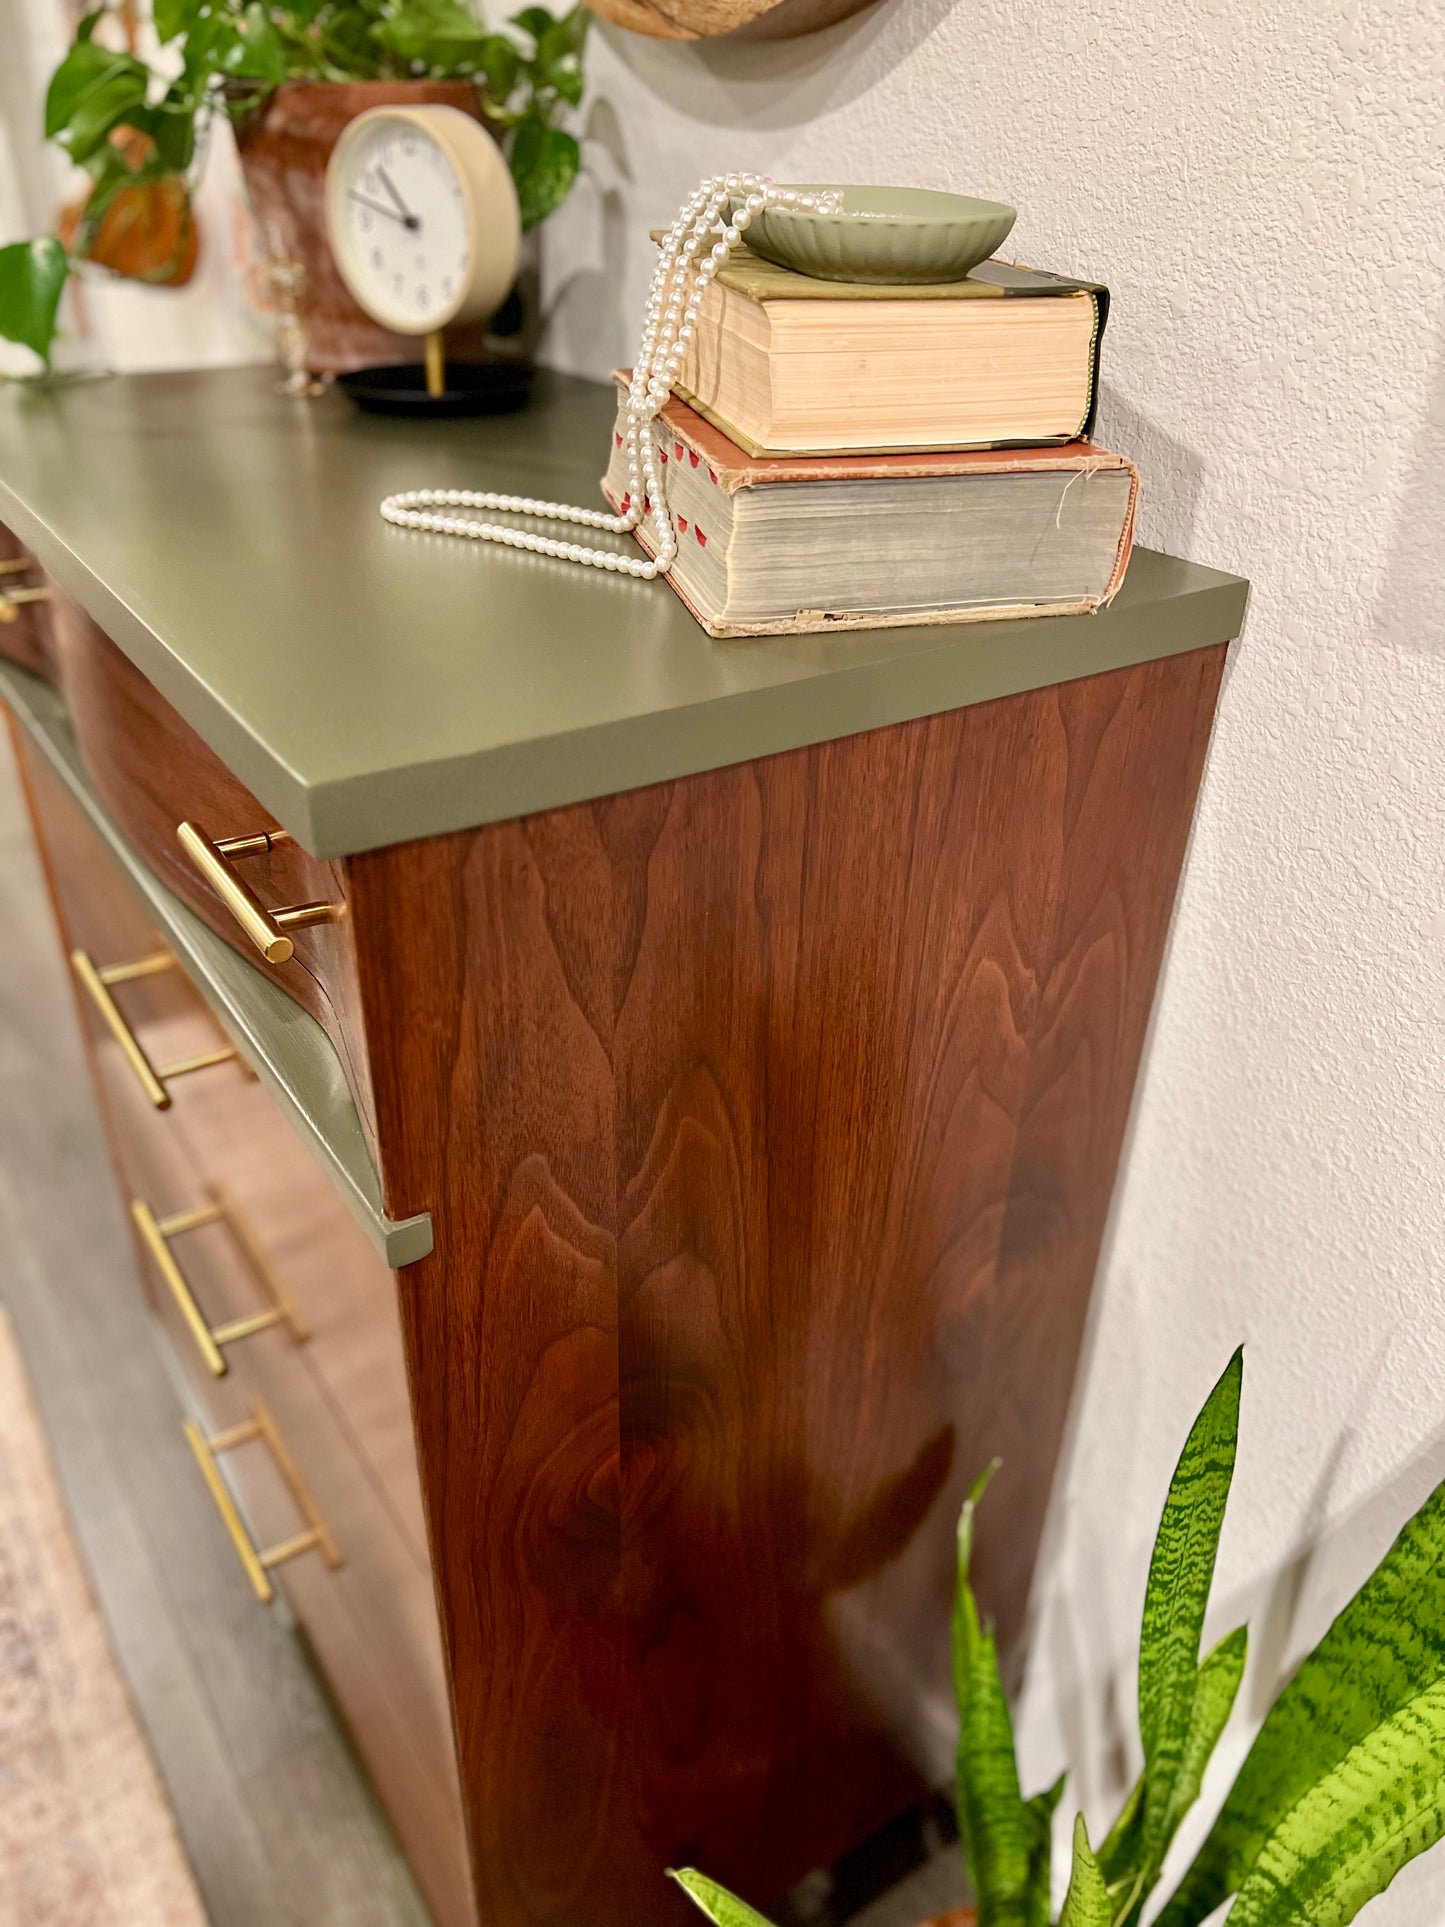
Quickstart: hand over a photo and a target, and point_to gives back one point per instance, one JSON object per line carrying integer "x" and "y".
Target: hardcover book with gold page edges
{"x": 784, "y": 363}
{"x": 768, "y": 544}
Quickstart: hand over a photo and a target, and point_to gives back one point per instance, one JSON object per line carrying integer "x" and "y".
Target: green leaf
{"x": 998, "y": 1832}
{"x": 256, "y": 52}
{"x": 171, "y": 124}
{"x": 92, "y": 91}
{"x": 1386, "y": 1644}
{"x": 436, "y": 33}
{"x": 558, "y": 60}
{"x": 1180, "y": 1574}
{"x": 715, "y": 1901}
{"x": 1214, "y": 1694}
{"x": 1119, "y": 1856}
{"x": 544, "y": 162}
{"x": 534, "y": 22}
{"x": 1087, "y": 1903}
{"x": 1352, "y": 1832}
{"x": 498, "y": 61}
{"x": 32, "y": 276}
{"x": 993, "y": 1819}
{"x": 174, "y": 17}
{"x": 1039, "y": 1831}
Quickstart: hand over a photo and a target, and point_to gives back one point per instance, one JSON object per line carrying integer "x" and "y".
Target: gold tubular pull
{"x": 13, "y": 600}
{"x": 97, "y": 982}
{"x": 265, "y": 928}
{"x": 17, "y": 564}
{"x": 259, "y": 1562}
{"x": 157, "y": 1233}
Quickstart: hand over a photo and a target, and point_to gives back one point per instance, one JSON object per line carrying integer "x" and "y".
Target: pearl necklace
{"x": 683, "y": 274}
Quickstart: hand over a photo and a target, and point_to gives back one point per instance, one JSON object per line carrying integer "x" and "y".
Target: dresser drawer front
{"x": 26, "y": 608}
{"x": 154, "y": 774}
{"x": 217, "y": 1183}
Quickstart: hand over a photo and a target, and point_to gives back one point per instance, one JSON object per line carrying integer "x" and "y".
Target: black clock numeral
{"x": 398, "y": 282}
{"x": 363, "y": 219}
{"x": 423, "y": 300}
{"x": 408, "y": 145}
{"x": 376, "y": 258}
{"x": 448, "y": 286}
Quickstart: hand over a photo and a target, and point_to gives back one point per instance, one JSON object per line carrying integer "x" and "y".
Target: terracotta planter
{"x": 959, "y": 1917}
{"x": 285, "y": 143}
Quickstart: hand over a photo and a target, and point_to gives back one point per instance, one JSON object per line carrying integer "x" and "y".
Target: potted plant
{"x": 288, "y": 76}
{"x": 1344, "y": 1784}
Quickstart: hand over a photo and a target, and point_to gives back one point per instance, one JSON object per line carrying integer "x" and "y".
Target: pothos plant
{"x": 139, "y": 130}
{"x": 1344, "y": 1784}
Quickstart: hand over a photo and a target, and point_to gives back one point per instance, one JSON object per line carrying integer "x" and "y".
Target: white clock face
{"x": 401, "y": 223}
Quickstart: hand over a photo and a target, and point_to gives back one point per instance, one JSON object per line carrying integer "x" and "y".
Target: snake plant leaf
{"x": 998, "y": 1832}
{"x": 1386, "y": 1644}
{"x": 993, "y": 1820}
{"x": 1039, "y": 1829}
{"x": 1180, "y": 1574}
{"x": 965, "y": 1612}
{"x": 1087, "y": 1903}
{"x": 1214, "y": 1695}
{"x": 1118, "y": 1857}
{"x": 1352, "y": 1832}
{"x": 715, "y": 1901}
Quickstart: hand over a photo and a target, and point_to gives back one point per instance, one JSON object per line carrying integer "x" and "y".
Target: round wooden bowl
{"x": 705, "y": 19}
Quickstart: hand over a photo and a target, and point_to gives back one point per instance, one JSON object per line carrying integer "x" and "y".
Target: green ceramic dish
{"x": 884, "y": 234}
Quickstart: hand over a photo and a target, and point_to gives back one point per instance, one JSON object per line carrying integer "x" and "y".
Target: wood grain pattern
{"x": 705, "y": 19}
{"x": 152, "y": 771}
{"x": 768, "y": 1120}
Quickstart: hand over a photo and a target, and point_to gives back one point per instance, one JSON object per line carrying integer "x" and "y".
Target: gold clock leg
{"x": 436, "y": 365}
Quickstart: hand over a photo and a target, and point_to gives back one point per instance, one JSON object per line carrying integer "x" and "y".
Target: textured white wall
{"x": 1263, "y": 187}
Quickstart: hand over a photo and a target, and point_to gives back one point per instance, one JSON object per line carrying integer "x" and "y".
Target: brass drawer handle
{"x": 258, "y": 1562}
{"x": 97, "y": 980}
{"x": 156, "y": 1233}
{"x": 13, "y": 600}
{"x": 18, "y": 565}
{"x": 266, "y": 928}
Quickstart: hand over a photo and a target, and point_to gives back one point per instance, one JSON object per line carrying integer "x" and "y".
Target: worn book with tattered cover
{"x": 784, "y": 363}
{"x": 769, "y": 544}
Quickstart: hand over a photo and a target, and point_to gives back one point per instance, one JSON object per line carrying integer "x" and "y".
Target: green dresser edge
{"x": 289, "y": 1052}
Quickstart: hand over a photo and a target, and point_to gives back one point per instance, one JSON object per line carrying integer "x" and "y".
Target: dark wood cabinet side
{"x": 768, "y": 1120}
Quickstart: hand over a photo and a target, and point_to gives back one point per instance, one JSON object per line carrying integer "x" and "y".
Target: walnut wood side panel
{"x": 768, "y": 1120}
{"x": 152, "y": 771}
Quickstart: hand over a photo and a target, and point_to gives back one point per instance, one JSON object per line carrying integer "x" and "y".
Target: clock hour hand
{"x": 390, "y": 213}
{"x": 411, "y": 220}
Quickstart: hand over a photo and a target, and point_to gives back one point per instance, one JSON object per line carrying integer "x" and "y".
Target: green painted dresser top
{"x": 372, "y": 685}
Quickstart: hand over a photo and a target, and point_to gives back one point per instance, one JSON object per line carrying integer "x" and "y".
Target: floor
{"x": 275, "y": 1815}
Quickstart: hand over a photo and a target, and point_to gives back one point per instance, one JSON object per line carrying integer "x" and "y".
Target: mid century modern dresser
{"x": 617, "y": 1127}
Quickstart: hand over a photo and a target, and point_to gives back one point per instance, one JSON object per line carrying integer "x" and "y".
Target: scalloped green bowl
{"x": 884, "y": 234}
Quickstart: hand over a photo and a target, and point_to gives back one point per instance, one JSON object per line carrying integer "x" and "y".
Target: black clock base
{"x": 473, "y": 388}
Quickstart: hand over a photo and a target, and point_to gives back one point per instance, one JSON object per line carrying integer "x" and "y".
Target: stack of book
{"x": 849, "y": 456}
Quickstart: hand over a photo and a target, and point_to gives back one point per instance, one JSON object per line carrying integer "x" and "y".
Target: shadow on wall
{"x": 1411, "y": 609}
{"x": 1171, "y": 474}
{"x": 741, "y": 83}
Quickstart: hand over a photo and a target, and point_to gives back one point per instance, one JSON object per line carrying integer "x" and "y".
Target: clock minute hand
{"x": 376, "y": 207}
{"x": 411, "y": 220}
